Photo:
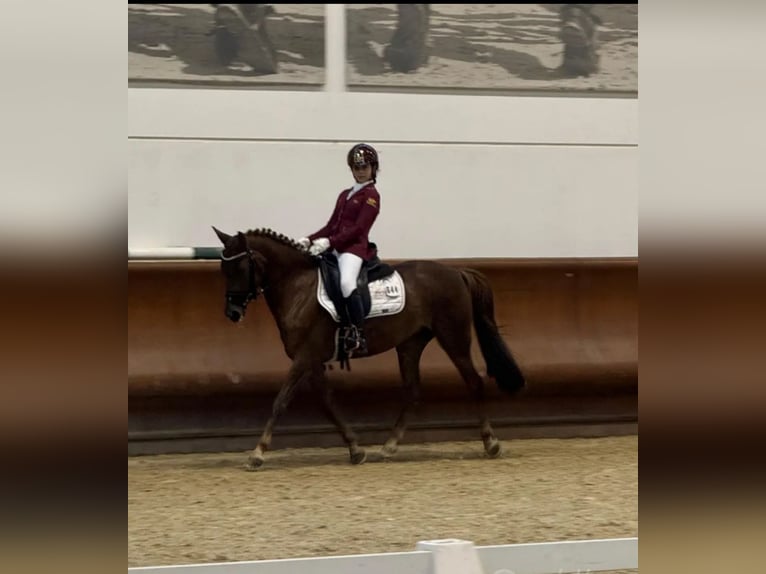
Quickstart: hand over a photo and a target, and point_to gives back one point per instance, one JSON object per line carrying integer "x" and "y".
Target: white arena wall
{"x": 461, "y": 175}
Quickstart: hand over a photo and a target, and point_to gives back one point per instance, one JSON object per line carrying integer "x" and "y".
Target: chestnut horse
{"x": 442, "y": 302}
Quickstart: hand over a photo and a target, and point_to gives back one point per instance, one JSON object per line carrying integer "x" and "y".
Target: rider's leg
{"x": 247, "y": 23}
{"x": 350, "y": 265}
{"x": 579, "y": 36}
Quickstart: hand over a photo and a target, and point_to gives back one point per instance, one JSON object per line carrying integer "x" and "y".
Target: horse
{"x": 442, "y": 302}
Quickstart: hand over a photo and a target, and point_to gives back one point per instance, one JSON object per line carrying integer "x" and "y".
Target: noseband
{"x": 253, "y": 290}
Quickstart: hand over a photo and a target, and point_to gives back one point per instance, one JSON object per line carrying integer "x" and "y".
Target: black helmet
{"x": 363, "y": 154}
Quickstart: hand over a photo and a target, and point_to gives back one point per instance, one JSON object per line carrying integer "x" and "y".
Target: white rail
{"x": 450, "y": 556}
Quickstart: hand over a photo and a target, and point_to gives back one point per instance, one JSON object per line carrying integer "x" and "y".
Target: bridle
{"x": 242, "y": 298}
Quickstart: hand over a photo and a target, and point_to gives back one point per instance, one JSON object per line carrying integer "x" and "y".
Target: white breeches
{"x": 349, "y": 265}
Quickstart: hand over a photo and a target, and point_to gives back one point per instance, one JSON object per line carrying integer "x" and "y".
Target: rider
{"x": 347, "y": 233}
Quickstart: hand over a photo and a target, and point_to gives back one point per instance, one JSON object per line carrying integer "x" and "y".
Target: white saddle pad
{"x": 387, "y": 296}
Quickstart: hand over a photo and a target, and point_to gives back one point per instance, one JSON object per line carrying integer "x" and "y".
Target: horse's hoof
{"x": 492, "y": 448}
{"x": 358, "y": 457}
{"x": 254, "y": 463}
{"x": 389, "y": 449}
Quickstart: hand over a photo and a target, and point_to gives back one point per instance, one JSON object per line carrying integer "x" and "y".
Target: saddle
{"x": 371, "y": 270}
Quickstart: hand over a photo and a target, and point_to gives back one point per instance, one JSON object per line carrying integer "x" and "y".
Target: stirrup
{"x": 351, "y": 339}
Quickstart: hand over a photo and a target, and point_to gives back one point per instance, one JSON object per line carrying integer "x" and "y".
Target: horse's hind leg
{"x": 356, "y": 453}
{"x": 457, "y": 345}
{"x": 409, "y": 354}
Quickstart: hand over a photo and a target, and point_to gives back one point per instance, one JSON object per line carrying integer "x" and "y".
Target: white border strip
{"x": 335, "y": 47}
{"x": 534, "y": 558}
{"x": 161, "y": 253}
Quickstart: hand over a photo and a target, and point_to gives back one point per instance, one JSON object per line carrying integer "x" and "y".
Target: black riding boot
{"x": 579, "y": 35}
{"x": 358, "y": 343}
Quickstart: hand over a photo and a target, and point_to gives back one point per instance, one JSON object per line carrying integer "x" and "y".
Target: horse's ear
{"x": 221, "y": 235}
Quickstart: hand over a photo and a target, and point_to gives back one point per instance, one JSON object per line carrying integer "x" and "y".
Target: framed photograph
{"x": 226, "y": 44}
{"x": 493, "y": 47}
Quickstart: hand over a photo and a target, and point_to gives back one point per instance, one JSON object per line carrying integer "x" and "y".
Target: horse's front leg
{"x": 299, "y": 374}
{"x": 356, "y": 453}
{"x": 409, "y": 353}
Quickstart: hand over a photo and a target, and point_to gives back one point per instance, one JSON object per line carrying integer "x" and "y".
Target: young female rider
{"x": 347, "y": 233}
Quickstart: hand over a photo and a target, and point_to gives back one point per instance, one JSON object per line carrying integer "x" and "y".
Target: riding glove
{"x": 319, "y": 246}
{"x": 304, "y": 242}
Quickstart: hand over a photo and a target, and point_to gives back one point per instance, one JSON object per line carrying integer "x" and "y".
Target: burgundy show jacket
{"x": 349, "y": 226}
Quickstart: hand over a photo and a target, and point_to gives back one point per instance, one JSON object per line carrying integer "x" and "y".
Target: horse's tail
{"x": 501, "y": 365}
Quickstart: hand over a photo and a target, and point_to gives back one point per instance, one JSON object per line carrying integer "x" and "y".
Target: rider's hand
{"x": 319, "y": 246}
{"x": 304, "y": 242}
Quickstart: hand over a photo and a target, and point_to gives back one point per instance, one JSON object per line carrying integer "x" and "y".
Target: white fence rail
{"x": 443, "y": 557}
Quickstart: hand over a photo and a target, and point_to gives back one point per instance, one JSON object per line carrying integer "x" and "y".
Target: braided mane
{"x": 278, "y": 237}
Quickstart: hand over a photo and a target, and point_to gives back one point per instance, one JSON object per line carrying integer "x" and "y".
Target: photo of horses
{"x": 422, "y": 47}
{"x": 494, "y": 46}
{"x": 226, "y": 44}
